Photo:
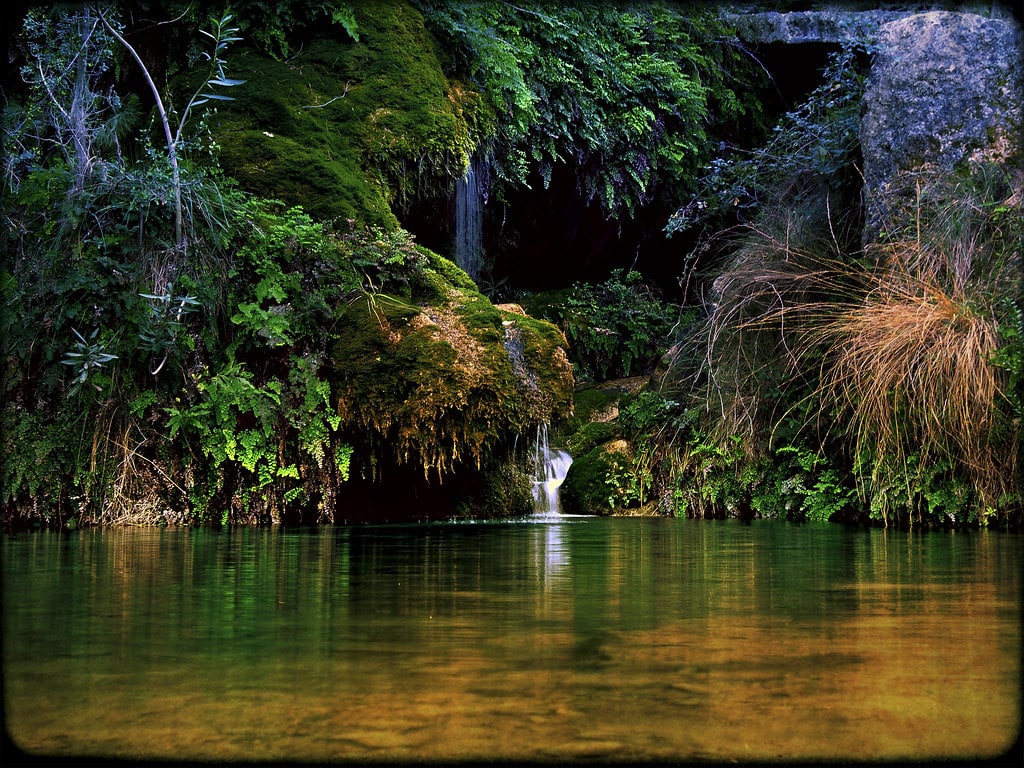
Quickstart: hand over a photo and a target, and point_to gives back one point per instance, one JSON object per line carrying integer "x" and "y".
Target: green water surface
{"x": 622, "y": 639}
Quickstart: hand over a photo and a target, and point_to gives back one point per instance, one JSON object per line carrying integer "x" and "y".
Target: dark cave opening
{"x": 542, "y": 238}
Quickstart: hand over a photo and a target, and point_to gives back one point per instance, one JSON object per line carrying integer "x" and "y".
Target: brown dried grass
{"x": 893, "y": 343}
{"x": 911, "y": 368}
{"x": 783, "y": 281}
{"x": 911, "y": 364}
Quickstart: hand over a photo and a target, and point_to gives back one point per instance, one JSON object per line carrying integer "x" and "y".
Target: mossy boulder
{"x": 350, "y": 129}
{"x": 443, "y": 380}
{"x": 591, "y": 435}
{"x": 585, "y": 490}
{"x": 595, "y": 405}
{"x": 944, "y": 92}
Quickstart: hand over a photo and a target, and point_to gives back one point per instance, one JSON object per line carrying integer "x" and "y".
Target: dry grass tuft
{"x": 784, "y": 279}
{"x": 886, "y": 352}
{"x": 911, "y": 366}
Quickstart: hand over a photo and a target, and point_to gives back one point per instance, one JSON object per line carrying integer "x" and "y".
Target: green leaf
{"x": 224, "y": 81}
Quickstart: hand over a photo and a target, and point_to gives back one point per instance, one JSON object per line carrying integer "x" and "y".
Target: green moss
{"x": 288, "y": 170}
{"x": 585, "y": 489}
{"x": 591, "y": 401}
{"x": 440, "y": 385}
{"x": 349, "y": 129}
{"x": 449, "y": 274}
{"x": 591, "y": 435}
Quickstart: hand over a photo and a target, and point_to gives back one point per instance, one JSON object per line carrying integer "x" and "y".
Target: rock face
{"x": 945, "y": 89}
{"x": 798, "y": 27}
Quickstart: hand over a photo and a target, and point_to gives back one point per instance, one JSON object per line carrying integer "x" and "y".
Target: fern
{"x": 603, "y": 87}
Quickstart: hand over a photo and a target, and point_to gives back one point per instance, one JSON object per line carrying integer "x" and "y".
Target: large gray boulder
{"x": 945, "y": 89}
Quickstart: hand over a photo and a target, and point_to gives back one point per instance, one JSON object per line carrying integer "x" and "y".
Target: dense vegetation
{"x": 212, "y": 313}
{"x": 630, "y": 95}
{"x": 826, "y": 380}
{"x": 178, "y": 350}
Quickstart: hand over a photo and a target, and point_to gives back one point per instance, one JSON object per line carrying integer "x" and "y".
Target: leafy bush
{"x": 643, "y": 419}
{"x": 140, "y": 349}
{"x": 160, "y": 374}
{"x": 627, "y": 94}
{"x": 616, "y": 328}
{"x": 280, "y": 26}
{"x": 913, "y": 368}
{"x": 643, "y": 415}
{"x": 808, "y": 487}
{"x": 812, "y": 147}
{"x": 898, "y": 363}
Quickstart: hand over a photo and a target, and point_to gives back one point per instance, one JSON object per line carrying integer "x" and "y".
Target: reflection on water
{"x": 609, "y": 638}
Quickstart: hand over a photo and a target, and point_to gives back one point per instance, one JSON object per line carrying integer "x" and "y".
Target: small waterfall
{"x": 470, "y": 197}
{"x": 550, "y": 468}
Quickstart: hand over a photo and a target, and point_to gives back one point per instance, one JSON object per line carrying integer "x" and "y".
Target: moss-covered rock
{"x": 350, "y": 129}
{"x": 591, "y": 435}
{"x": 444, "y": 385}
{"x": 595, "y": 404}
{"x": 585, "y": 490}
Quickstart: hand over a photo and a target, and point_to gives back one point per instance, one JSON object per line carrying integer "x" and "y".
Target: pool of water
{"x": 557, "y": 639}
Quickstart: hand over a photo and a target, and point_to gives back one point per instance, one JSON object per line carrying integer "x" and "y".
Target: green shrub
{"x": 806, "y": 487}
{"x": 616, "y": 328}
{"x": 812, "y": 147}
{"x": 899, "y": 361}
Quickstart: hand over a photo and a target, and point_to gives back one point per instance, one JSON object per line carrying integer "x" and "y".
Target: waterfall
{"x": 470, "y": 197}
{"x": 549, "y": 468}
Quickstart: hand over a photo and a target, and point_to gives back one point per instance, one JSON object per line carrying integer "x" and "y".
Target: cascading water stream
{"x": 470, "y": 197}
{"x": 550, "y": 469}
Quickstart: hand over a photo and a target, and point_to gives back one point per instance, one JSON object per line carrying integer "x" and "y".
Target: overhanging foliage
{"x": 630, "y": 94}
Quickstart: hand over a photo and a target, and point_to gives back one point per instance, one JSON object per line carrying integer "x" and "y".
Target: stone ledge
{"x": 796, "y": 27}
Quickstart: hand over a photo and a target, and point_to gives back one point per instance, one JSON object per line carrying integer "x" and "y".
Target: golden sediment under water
{"x": 618, "y": 639}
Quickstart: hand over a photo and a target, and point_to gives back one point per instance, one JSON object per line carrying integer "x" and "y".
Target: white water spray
{"x": 470, "y": 197}
{"x": 550, "y": 469}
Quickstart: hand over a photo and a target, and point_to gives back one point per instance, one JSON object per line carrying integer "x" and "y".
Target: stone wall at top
{"x": 799, "y": 27}
{"x": 945, "y": 87}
